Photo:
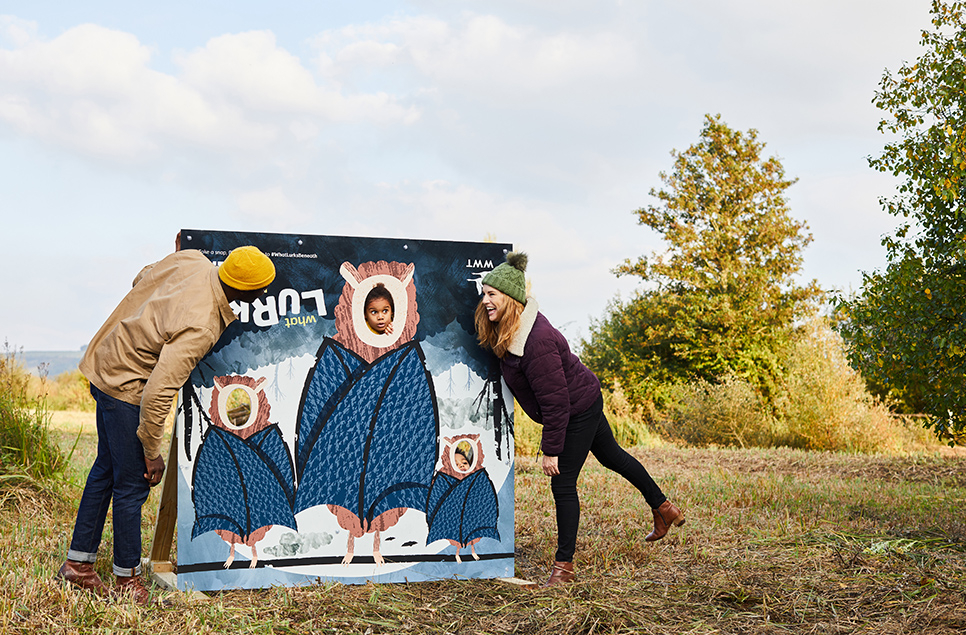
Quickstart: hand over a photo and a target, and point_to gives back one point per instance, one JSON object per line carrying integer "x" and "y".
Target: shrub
{"x": 628, "y": 421}
{"x": 824, "y": 404}
{"x": 820, "y": 403}
{"x": 27, "y": 451}
{"x": 729, "y": 413}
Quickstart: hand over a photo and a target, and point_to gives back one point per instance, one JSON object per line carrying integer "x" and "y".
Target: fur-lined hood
{"x": 527, "y": 318}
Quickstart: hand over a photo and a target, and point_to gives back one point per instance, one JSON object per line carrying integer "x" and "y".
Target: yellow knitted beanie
{"x": 246, "y": 269}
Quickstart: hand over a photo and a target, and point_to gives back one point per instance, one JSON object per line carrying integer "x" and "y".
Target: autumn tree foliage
{"x": 722, "y": 299}
{"x": 906, "y": 328}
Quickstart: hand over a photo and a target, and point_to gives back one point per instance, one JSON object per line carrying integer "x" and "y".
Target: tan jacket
{"x": 156, "y": 336}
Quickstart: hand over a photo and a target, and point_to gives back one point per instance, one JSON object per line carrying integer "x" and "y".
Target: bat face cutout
{"x": 239, "y": 404}
{"x": 243, "y": 481}
{"x": 462, "y": 455}
{"x": 350, "y": 321}
{"x": 397, "y": 288}
{"x": 462, "y": 505}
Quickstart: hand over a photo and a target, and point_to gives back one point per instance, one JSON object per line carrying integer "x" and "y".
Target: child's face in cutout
{"x": 461, "y": 463}
{"x": 379, "y": 315}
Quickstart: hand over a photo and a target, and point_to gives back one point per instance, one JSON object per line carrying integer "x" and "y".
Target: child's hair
{"x": 463, "y": 449}
{"x": 379, "y": 291}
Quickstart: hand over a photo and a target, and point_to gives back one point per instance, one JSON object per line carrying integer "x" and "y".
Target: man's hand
{"x": 155, "y": 469}
{"x": 550, "y": 466}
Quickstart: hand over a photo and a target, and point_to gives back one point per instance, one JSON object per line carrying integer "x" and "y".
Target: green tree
{"x": 721, "y": 300}
{"x": 905, "y": 327}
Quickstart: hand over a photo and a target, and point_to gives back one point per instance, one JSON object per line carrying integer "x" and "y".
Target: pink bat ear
{"x": 408, "y": 274}
{"x": 350, "y": 274}
{"x": 259, "y": 382}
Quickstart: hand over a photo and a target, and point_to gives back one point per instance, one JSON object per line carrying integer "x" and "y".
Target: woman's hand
{"x": 550, "y": 466}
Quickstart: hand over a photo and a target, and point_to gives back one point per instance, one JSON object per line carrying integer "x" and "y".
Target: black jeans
{"x": 589, "y": 431}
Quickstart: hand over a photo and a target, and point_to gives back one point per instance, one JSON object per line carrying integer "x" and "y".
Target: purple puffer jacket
{"x": 549, "y": 382}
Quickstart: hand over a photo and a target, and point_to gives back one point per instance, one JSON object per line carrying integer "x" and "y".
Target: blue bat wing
{"x": 336, "y": 368}
{"x": 237, "y": 485}
{"x": 403, "y": 439}
{"x": 376, "y": 449}
{"x": 334, "y": 461}
{"x": 462, "y": 510}
{"x": 442, "y": 511}
{"x": 271, "y": 447}
{"x": 481, "y": 511}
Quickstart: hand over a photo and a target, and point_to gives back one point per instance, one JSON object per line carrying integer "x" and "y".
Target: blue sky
{"x": 544, "y": 124}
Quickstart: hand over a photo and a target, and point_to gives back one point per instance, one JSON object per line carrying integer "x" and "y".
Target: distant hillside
{"x": 57, "y": 362}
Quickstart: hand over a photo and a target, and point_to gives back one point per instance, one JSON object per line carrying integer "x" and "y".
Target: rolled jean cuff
{"x": 81, "y": 556}
{"x": 127, "y": 572}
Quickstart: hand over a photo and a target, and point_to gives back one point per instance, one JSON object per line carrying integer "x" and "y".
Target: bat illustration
{"x": 462, "y": 506}
{"x": 243, "y": 479}
{"x": 368, "y": 421}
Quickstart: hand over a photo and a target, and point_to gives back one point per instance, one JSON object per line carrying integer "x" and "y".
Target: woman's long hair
{"x": 497, "y": 335}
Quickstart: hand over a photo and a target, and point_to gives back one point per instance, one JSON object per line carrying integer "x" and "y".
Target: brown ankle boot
{"x": 132, "y": 588}
{"x": 563, "y": 573}
{"x": 82, "y": 574}
{"x": 665, "y": 516}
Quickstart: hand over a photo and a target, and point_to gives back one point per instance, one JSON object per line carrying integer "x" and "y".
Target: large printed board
{"x": 316, "y": 445}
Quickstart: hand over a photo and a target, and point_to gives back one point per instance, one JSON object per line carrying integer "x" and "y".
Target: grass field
{"x": 777, "y": 541}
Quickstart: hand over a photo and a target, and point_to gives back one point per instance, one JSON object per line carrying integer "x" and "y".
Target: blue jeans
{"x": 590, "y": 431}
{"x": 118, "y": 475}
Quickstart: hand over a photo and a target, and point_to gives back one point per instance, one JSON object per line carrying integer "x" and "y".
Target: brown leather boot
{"x": 563, "y": 573}
{"x": 82, "y": 574}
{"x": 665, "y": 516}
{"x": 132, "y": 588}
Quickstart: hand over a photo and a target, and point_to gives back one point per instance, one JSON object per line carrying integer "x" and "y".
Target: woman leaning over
{"x": 555, "y": 389}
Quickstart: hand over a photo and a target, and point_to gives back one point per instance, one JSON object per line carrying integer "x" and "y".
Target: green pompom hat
{"x": 509, "y": 278}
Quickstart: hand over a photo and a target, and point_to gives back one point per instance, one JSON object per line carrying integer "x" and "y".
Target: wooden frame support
{"x": 160, "y": 567}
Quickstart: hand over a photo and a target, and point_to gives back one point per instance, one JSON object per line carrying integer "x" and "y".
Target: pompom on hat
{"x": 509, "y": 277}
{"x": 247, "y": 269}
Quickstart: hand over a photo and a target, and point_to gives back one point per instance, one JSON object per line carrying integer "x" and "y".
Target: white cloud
{"x": 85, "y": 60}
{"x": 16, "y": 31}
{"x": 92, "y": 89}
{"x": 481, "y": 55}
{"x": 250, "y": 69}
